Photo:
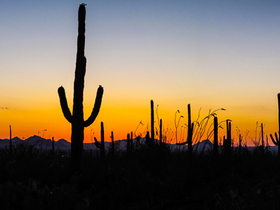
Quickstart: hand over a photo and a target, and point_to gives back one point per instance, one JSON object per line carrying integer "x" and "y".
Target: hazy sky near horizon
{"x": 210, "y": 54}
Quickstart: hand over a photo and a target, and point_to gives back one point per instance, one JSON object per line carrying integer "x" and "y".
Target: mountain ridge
{"x": 62, "y": 144}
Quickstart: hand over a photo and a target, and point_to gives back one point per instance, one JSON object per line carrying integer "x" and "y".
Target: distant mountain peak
{"x": 62, "y": 140}
{"x": 16, "y": 138}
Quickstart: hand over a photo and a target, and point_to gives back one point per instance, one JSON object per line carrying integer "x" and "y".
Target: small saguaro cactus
{"x": 52, "y": 145}
{"x": 128, "y": 145}
{"x": 112, "y": 145}
{"x": 190, "y": 131}
{"x": 229, "y": 133}
{"x": 77, "y": 117}
{"x": 148, "y": 139}
{"x": 262, "y": 147}
{"x": 160, "y": 132}
{"x": 10, "y": 139}
{"x": 101, "y": 145}
{"x": 240, "y": 143}
{"x": 215, "y": 148}
{"x": 102, "y": 141}
{"x": 262, "y": 135}
{"x": 227, "y": 141}
{"x": 152, "y": 123}
{"x": 131, "y": 141}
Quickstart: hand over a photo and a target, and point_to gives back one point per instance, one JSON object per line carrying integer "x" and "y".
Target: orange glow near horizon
{"x": 209, "y": 55}
{"x": 123, "y": 119}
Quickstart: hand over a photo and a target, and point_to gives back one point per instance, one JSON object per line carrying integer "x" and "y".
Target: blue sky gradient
{"x": 211, "y": 54}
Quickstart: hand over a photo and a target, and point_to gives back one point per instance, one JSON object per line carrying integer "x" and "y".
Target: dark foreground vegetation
{"x": 147, "y": 178}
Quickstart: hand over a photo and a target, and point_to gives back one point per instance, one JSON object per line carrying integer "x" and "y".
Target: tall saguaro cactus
{"x": 77, "y": 118}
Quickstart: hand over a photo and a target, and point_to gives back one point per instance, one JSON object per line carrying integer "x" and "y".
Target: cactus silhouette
{"x": 77, "y": 118}
{"x": 112, "y": 145}
{"x": 160, "y": 132}
{"x": 101, "y": 145}
{"x": 128, "y": 145}
{"x": 131, "y": 141}
{"x": 52, "y": 145}
{"x": 152, "y": 123}
{"x": 227, "y": 141}
{"x": 148, "y": 140}
{"x": 215, "y": 148}
{"x": 190, "y": 131}
{"x": 276, "y": 141}
{"x": 262, "y": 147}
{"x": 102, "y": 141}
{"x": 10, "y": 139}
{"x": 240, "y": 144}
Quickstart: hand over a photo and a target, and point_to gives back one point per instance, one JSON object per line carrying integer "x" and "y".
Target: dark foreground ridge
{"x": 146, "y": 179}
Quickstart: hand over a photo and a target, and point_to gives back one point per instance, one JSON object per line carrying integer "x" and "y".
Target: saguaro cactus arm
{"x": 276, "y": 141}
{"x": 64, "y": 105}
{"x": 96, "y": 107}
{"x": 96, "y": 143}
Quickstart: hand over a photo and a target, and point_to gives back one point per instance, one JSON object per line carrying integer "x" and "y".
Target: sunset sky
{"x": 211, "y": 54}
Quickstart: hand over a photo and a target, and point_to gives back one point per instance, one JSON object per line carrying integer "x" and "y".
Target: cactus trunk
{"x": 160, "y": 133}
{"x": 131, "y": 141}
{"x": 228, "y": 140}
{"x": 10, "y": 139}
{"x": 152, "y": 123}
{"x": 128, "y": 145}
{"x": 77, "y": 118}
{"x": 262, "y": 135}
{"x": 240, "y": 143}
{"x": 113, "y": 145}
{"x": 52, "y": 145}
{"x": 215, "y": 149}
{"x": 190, "y": 131}
{"x": 102, "y": 150}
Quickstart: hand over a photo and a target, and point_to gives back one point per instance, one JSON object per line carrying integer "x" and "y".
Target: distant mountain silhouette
{"x": 120, "y": 145}
{"x": 38, "y": 142}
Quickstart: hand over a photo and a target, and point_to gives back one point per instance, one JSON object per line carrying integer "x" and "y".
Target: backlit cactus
{"x": 101, "y": 145}
{"x": 77, "y": 117}
{"x": 190, "y": 131}
{"x": 215, "y": 148}
{"x": 227, "y": 141}
{"x": 152, "y": 123}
